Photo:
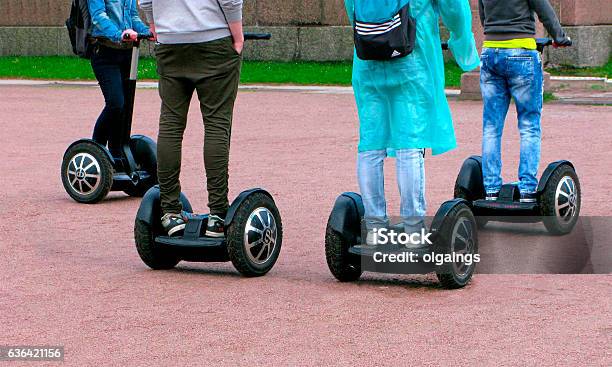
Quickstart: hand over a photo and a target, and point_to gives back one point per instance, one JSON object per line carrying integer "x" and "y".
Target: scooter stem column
{"x": 134, "y": 64}
{"x": 128, "y": 113}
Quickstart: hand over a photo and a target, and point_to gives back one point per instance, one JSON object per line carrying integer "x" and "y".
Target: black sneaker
{"x": 528, "y": 197}
{"x": 215, "y": 227}
{"x": 492, "y": 196}
{"x": 174, "y": 224}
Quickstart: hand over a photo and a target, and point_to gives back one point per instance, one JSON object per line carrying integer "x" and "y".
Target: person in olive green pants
{"x": 208, "y": 62}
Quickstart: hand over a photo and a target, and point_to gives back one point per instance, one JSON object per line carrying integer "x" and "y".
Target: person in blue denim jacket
{"x": 112, "y": 20}
{"x": 511, "y": 67}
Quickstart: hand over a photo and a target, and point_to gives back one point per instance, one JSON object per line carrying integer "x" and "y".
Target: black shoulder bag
{"x": 388, "y": 40}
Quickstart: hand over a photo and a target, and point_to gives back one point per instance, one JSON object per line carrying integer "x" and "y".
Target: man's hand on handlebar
{"x": 566, "y": 42}
{"x": 153, "y": 33}
{"x": 129, "y": 35}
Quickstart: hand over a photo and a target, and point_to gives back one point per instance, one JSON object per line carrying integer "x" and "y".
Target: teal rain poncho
{"x": 401, "y": 102}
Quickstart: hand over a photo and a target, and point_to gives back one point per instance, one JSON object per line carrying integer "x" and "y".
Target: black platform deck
{"x": 182, "y": 242}
{"x": 193, "y": 245}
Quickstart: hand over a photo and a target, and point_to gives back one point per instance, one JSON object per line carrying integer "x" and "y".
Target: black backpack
{"x": 79, "y": 27}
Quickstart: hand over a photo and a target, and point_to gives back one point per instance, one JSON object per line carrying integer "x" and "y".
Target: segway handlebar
{"x": 257, "y": 36}
{"x": 541, "y": 43}
{"x": 140, "y": 37}
{"x": 247, "y": 36}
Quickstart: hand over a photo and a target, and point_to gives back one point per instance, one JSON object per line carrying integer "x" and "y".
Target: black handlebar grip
{"x": 139, "y": 37}
{"x": 257, "y": 36}
{"x": 543, "y": 42}
{"x": 444, "y": 46}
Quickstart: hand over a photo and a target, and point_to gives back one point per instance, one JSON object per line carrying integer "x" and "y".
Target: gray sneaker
{"x": 173, "y": 223}
{"x": 369, "y": 243}
{"x": 215, "y": 227}
{"x": 418, "y": 227}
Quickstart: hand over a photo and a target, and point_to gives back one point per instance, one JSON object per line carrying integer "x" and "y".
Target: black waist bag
{"x": 386, "y": 41}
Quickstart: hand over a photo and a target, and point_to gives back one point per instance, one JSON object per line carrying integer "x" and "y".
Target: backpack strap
{"x": 355, "y": 15}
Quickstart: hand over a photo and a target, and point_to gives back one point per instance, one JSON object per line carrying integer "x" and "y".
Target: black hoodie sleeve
{"x": 547, "y": 16}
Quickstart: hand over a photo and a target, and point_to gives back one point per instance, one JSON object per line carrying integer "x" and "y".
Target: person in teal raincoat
{"x": 402, "y": 106}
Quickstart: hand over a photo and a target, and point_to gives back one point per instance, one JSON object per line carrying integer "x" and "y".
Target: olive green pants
{"x": 212, "y": 69}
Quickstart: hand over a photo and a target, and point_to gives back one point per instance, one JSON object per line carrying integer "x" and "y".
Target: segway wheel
{"x": 459, "y": 193}
{"x": 340, "y": 262}
{"x": 152, "y": 256}
{"x": 87, "y": 173}
{"x": 255, "y": 235}
{"x": 144, "y": 150}
{"x": 560, "y": 201}
{"x": 458, "y": 235}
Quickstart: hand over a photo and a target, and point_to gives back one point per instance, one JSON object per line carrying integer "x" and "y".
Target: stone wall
{"x": 42, "y": 13}
{"x": 39, "y": 13}
{"x": 301, "y": 29}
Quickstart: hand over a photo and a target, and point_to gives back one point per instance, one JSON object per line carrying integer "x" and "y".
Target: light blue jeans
{"x": 410, "y": 165}
{"x": 506, "y": 74}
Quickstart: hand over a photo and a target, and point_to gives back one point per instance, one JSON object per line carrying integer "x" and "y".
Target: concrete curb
{"x": 319, "y": 89}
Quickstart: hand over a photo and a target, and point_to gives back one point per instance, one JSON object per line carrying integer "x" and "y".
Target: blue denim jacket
{"x": 111, "y": 17}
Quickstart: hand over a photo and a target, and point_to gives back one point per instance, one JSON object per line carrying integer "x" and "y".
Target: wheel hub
{"x": 260, "y": 235}
{"x": 462, "y": 242}
{"x": 566, "y": 200}
{"x": 267, "y": 236}
{"x": 83, "y": 173}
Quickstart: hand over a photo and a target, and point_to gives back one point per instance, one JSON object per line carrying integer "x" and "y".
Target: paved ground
{"x": 69, "y": 273}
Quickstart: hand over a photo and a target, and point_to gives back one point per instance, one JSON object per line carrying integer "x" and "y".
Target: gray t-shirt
{"x": 191, "y": 21}
{"x": 508, "y": 19}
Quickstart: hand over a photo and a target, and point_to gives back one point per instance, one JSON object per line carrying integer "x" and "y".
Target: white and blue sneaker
{"x": 215, "y": 227}
{"x": 173, "y": 223}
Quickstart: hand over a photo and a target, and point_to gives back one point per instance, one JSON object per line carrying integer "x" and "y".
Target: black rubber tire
{"x": 547, "y": 201}
{"x": 340, "y": 263}
{"x": 106, "y": 172}
{"x": 235, "y": 236}
{"x": 139, "y": 190}
{"x": 446, "y": 274}
{"x": 459, "y": 193}
{"x": 144, "y": 150}
{"x": 153, "y": 257}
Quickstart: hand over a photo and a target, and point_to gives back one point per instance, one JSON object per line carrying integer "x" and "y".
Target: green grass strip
{"x": 253, "y": 72}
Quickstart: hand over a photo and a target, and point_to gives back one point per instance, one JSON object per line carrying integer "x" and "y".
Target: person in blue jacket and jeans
{"x": 112, "y": 21}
